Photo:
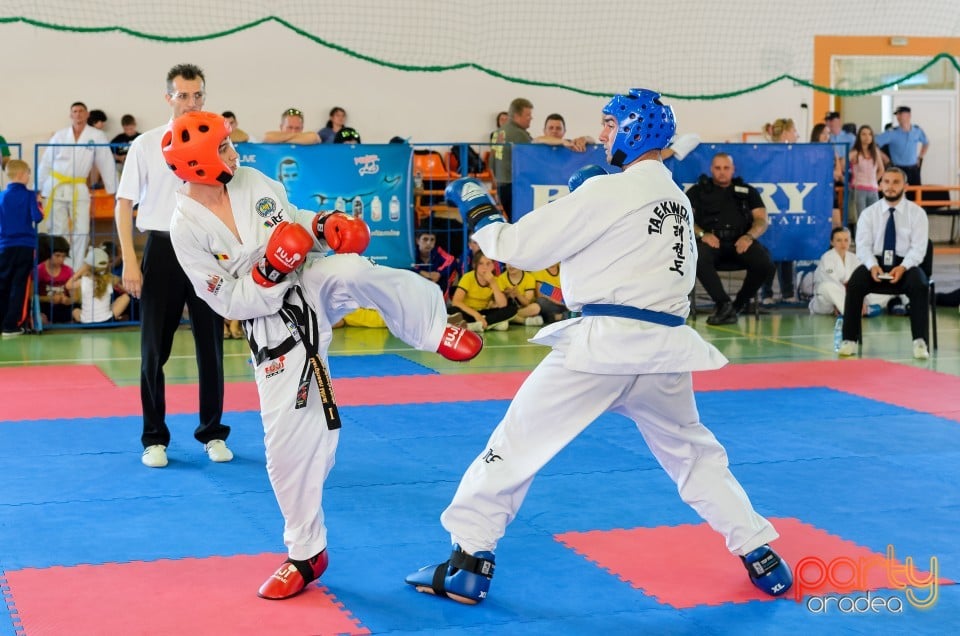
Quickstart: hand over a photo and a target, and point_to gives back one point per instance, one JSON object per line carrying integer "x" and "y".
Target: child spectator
{"x": 52, "y": 277}
{"x": 96, "y": 284}
{"x": 549, "y": 294}
{"x": 116, "y": 268}
{"x": 830, "y": 279}
{"x": 19, "y": 215}
{"x": 435, "y": 263}
{"x": 122, "y": 141}
{"x": 520, "y": 287}
{"x": 479, "y": 298}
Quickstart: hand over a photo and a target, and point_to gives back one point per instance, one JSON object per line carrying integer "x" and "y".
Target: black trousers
{"x": 756, "y": 260}
{"x": 913, "y": 283}
{"x": 505, "y": 194}
{"x": 16, "y": 263}
{"x": 165, "y": 290}
{"x": 913, "y": 174}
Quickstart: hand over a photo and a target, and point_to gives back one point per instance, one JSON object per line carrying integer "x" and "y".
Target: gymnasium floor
{"x": 851, "y": 459}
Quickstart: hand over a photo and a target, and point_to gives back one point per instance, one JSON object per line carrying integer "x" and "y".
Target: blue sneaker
{"x": 874, "y": 310}
{"x": 768, "y": 572}
{"x": 465, "y": 578}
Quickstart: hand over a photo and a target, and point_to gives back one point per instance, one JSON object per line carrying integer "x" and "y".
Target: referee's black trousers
{"x": 165, "y": 290}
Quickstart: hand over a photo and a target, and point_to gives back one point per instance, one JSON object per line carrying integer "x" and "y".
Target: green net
{"x": 687, "y": 49}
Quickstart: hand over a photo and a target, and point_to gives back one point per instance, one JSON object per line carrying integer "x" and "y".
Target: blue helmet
{"x": 644, "y": 124}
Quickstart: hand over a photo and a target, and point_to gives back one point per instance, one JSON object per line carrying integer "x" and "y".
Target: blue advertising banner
{"x": 540, "y": 173}
{"x": 369, "y": 181}
{"x": 795, "y": 182}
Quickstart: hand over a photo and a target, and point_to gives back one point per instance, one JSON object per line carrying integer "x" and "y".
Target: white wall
{"x": 260, "y": 72}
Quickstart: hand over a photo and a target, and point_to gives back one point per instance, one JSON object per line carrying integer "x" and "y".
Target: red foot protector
{"x": 459, "y": 344}
{"x": 822, "y": 564}
{"x": 216, "y": 595}
{"x": 291, "y": 577}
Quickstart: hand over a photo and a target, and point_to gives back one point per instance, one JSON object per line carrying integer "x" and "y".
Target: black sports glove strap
{"x": 477, "y": 215}
{"x": 304, "y": 320}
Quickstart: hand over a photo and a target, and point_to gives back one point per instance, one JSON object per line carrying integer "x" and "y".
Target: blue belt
{"x": 623, "y": 311}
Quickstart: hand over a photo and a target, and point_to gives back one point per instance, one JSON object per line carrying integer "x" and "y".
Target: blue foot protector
{"x": 768, "y": 571}
{"x": 465, "y": 578}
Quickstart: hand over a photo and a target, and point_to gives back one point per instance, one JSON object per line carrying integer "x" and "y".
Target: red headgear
{"x": 191, "y": 147}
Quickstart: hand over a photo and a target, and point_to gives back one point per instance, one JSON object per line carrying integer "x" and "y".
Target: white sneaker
{"x": 500, "y": 326}
{"x": 475, "y": 326}
{"x": 920, "y": 351}
{"x": 847, "y": 348}
{"x": 217, "y": 451}
{"x": 533, "y": 321}
{"x": 155, "y": 456}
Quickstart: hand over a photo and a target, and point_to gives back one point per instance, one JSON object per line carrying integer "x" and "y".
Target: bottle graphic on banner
{"x": 394, "y": 208}
{"x": 358, "y": 207}
{"x": 341, "y": 205}
{"x": 376, "y": 209}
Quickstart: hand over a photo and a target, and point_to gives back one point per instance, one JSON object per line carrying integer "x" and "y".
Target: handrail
{"x": 921, "y": 190}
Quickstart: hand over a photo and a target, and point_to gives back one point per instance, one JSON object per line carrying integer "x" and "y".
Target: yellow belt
{"x": 62, "y": 180}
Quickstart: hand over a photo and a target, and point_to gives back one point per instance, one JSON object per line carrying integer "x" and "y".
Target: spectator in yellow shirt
{"x": 479, "y": 298}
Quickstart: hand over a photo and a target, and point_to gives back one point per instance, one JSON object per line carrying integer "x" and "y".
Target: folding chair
{"x": 726, "y": 266}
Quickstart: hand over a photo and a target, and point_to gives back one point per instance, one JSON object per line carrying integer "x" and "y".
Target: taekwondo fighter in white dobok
{"x": 62, "y": 175}
{"x": 251, "y": 257}
{"x": 628, "y": 262}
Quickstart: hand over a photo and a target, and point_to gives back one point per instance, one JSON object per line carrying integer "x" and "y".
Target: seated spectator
{"x": 892, "y": 238}
{"x": 729, "y": 218}
{"x": 94, "y": 284}
{"x": 97, "y": 118}
{"x": 338, "y": 119}
{"x": 781, "y": 131}
{"x": 52, "y": 277}
{"x": 520, "y": 288}
{"x": 435, "y": 263}
{"x": 122, "y": 141}
{"x": 821, "y": 135}
{"x": 116, "y": 268}
{"x": 19, "y": 215}
{"x": 347, "y": 136}
{"x": 468, "y": 257}
{"x": 291, "y": 130}
{"x": 479, "y": 299}
{"x": 237, "y": 135}
{"x": 549, "y": 294}
{"x": 554, "y": 129}
{"x": 4, "y": 152}
{"x": 831, "y": 276}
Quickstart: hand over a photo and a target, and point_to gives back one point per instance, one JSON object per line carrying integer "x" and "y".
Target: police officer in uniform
{"x": 729, "y": 218}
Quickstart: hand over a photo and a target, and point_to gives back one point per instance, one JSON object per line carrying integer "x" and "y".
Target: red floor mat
{"x": 216, "y": 595}
{"x": 697, "y": 569}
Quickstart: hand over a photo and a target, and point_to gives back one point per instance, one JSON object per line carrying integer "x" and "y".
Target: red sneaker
{"x": 292, "y": 577}
{"x": 459, "y": 344}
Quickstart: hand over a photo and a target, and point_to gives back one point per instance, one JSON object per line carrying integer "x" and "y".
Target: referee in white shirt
{"x": 162, "y": 285}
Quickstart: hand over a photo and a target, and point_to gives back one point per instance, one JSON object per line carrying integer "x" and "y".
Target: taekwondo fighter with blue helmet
{"x": 628, "y": 261}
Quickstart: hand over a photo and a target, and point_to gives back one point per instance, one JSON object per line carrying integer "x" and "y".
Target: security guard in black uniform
{"x": 728, "y": 217}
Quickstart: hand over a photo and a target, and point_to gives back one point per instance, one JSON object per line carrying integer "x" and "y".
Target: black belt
{"x": 304, "y": 321}
{"x": 159, "y": 233}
